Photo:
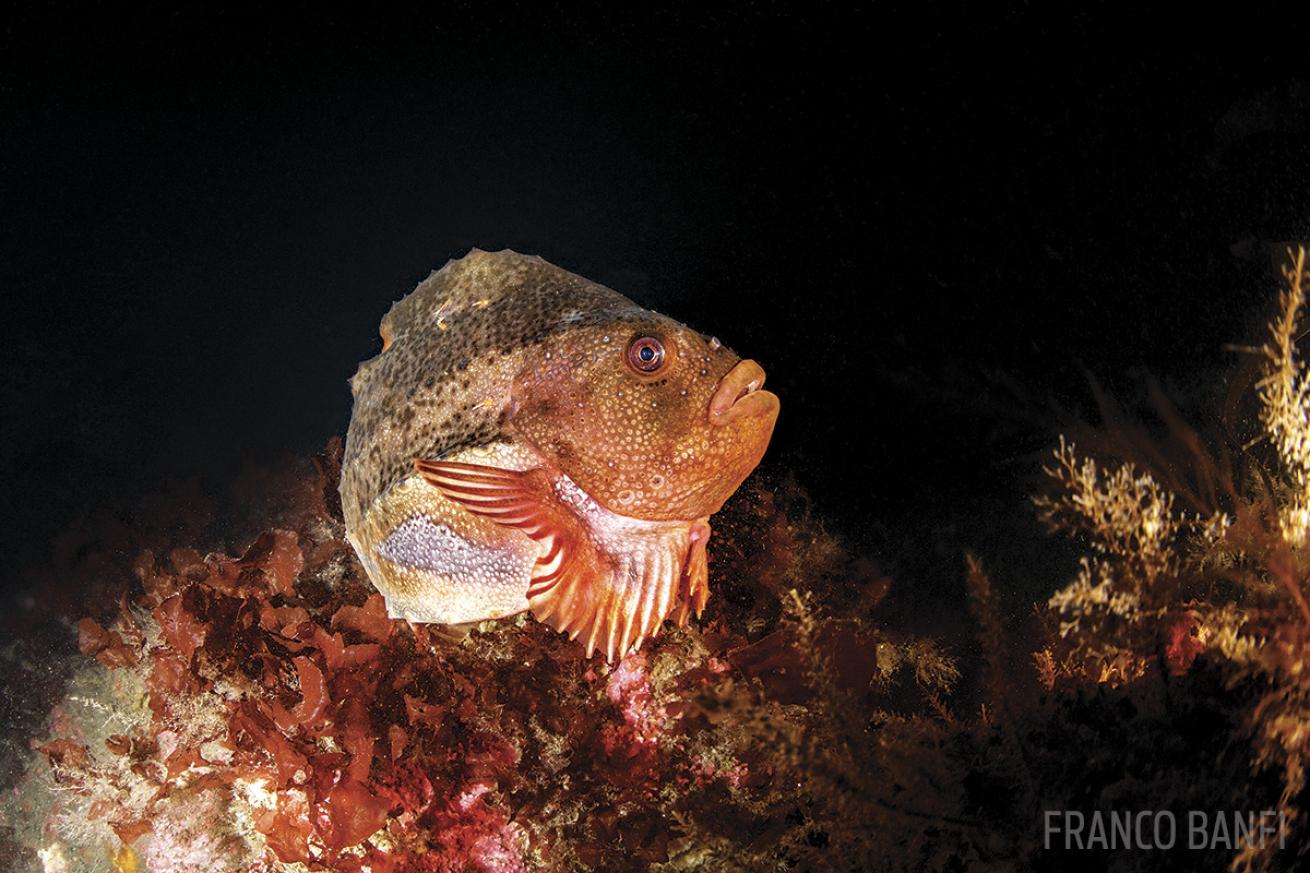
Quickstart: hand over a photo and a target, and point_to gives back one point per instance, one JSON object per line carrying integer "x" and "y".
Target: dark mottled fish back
{"x": 448, "y": 345}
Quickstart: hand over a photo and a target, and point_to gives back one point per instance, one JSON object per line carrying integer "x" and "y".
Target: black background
{"x": 907, "y": 216}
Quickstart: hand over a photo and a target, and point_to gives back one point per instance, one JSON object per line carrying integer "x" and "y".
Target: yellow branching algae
{"x": 1285, "y": 403}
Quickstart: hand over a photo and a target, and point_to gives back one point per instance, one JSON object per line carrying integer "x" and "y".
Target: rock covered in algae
{"x": 257, "y": 709}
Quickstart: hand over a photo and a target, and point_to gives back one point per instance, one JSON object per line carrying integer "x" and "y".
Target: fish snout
{"x": 741, "y": 394}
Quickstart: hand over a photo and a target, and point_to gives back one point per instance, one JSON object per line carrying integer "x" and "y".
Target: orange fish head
{"x": 649, "y": 417}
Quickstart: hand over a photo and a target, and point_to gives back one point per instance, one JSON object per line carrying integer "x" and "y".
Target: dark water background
{"x": 925, "y": 224}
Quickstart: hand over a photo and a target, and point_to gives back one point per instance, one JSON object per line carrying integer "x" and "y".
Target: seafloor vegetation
{"x": 256, "y": 710}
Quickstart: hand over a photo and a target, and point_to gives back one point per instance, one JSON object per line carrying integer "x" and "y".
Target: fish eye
{"x": 646, "y": 354}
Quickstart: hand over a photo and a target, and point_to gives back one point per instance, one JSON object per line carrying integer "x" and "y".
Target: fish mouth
{"x": 740, "y": 395}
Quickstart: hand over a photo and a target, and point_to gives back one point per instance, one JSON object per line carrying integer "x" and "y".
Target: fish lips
{"x": 741, "y": 395}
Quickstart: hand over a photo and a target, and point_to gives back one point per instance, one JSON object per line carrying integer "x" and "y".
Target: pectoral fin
{"x": 612, "y": 595}
{"x": 562, "y": 592}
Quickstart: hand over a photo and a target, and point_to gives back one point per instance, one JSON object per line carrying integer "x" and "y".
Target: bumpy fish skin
{"x": 452, "y": 345}
{"x": 501, "y": 455}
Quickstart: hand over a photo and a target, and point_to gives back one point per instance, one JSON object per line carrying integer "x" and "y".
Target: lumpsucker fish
{"x": 531, "y": 440}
